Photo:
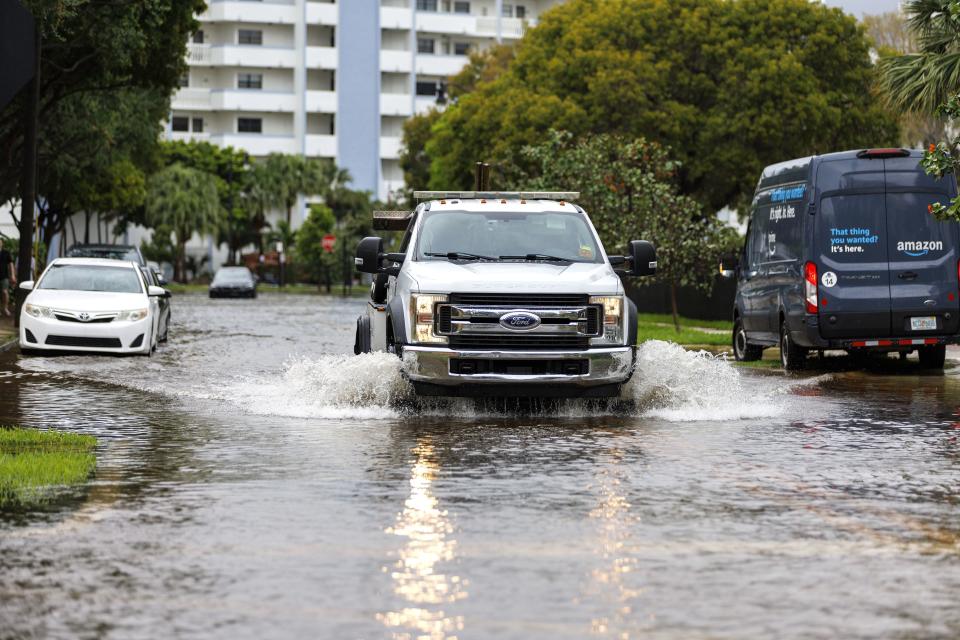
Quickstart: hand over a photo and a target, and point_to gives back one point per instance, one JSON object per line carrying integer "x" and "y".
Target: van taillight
{"x": 810, "y": 286}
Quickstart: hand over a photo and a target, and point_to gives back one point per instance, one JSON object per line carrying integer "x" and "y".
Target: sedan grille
{"x": 77, "y": 341}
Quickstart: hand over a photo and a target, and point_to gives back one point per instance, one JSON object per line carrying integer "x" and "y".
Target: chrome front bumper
{"x": 432, "y": 365}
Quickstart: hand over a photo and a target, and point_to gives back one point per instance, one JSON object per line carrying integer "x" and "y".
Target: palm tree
{"x": 922, "y": 81}
{"x": 185, "y": 200}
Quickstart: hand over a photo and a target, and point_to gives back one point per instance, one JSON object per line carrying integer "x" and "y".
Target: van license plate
{"x": 928, "y": 323}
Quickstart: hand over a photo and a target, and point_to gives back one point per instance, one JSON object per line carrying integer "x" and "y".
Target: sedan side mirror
{"x": 27, "y": 285}
{"x": 643, "y": 258}
{"x": 156, "y": 292}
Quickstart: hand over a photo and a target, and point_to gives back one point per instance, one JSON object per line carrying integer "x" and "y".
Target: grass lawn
{"x": 656, "y": 326}
{"x": 35, "y": 464}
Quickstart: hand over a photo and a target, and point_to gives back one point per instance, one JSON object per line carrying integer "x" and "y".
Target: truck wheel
{"x": 742, "y": 350}
{"x": 933, "y": 357}
{"x": 361, "y": 343}
{"x": 792, "y": 357}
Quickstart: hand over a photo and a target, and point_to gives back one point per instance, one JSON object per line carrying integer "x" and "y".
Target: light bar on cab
{"x": 568, "y": 196}
{"x": 391, "y": 220}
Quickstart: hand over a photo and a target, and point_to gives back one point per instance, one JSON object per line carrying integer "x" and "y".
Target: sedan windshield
{"x": 82, "y": 277}
{"x": 110, "y": 253}
{"x": 233, "y": 276}
{"x": 507, "y": 236}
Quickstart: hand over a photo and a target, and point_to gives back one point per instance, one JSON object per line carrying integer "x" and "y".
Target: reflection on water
{"x": 418, "y": 574}
{"x": 610, "y": 582}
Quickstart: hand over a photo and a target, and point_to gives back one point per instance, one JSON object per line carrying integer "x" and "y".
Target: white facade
{"x": 268, "y": 76}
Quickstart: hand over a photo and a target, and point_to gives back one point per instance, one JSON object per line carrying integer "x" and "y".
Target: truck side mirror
{"x": 369, "y": 252}
{"x": 643, "y": 258}
{"x": 728, "y": 266}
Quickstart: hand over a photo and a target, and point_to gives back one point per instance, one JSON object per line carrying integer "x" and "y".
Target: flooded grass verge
{"x": 35, "y": 465}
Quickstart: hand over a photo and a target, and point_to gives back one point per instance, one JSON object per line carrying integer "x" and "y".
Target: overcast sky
{"x": 861, "y": 7}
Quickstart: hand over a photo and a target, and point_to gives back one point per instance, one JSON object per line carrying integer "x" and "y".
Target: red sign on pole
{"x": 328, "y": 242}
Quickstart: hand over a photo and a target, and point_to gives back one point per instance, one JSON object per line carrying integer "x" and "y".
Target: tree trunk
{"x": 180, "y": 266}
{"x": 673, "y": 305}
{"x": 86, "y": 227}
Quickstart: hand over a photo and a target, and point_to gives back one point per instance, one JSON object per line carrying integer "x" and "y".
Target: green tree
{"x": 729, "y": 85}
{"x": 93, "y": 48}
{"x": 630, "y": 194}
{"x": 186, "y": 201}
{"x": 924, "y": 79}
{"x": 316, "y": 263}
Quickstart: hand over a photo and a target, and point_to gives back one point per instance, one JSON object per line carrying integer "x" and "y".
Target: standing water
{"x": 256, "y": 481}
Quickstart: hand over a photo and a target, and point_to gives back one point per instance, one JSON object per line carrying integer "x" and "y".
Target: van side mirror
{"x": 27, "y": 285}
{"x": 370, "y": 257}
{"x": 728, "y": 266}
{"x": 643, "y": 258}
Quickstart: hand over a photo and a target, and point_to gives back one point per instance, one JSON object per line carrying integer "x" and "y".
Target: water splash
{"x": 669, "y": 383}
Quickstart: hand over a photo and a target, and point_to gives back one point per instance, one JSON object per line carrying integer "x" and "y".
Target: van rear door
{"x": 851, "y": 239}
{"x": 923, "y": 252}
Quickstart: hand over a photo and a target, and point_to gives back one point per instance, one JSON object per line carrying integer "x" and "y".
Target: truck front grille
{"x": 521, "y": 300}
{"x": 516, "y": 342}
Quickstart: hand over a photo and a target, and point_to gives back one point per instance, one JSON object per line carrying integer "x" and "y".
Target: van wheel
{"x": 933, "y": 357}
{"x": 792, "y": 357}
{"x": 743, "y": 351}
{"x": 362, "y": 342}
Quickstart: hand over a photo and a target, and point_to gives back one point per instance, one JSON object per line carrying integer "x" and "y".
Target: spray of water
{"x": 669, "y": 382}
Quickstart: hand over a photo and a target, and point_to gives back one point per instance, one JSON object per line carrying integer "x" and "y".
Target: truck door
{"x": 851, "y": 253}
{"x": 923, "y": 252}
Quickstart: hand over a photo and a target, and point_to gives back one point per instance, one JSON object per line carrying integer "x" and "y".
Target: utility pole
{"x": 28, "y": 182}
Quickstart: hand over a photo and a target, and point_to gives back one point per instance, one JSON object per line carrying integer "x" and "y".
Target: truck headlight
{"x": 133, "y": 315}
{"x": 37, "y": 311}
{"x": 422, "y": 307}
{"x": 612, "y": 310}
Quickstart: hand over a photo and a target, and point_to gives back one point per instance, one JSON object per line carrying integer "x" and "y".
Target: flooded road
{"x": 256, "y": 481}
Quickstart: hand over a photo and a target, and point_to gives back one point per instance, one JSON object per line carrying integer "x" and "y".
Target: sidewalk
{"x": 8, "y": 335}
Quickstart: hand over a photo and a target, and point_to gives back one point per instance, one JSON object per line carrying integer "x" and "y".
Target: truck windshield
{"x": 506, "y": 235}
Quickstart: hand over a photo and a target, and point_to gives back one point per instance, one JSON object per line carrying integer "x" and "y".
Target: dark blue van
{"x": 842, "y": 253}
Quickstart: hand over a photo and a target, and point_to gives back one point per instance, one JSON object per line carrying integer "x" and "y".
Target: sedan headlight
{"x": 132, "y": 315}
{"x": 422, "y": 307}
{"x": 37, "y": 311}
{"x": 612, "y": 310}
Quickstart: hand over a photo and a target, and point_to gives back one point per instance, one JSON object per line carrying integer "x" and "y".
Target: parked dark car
{"x": 108, "y": 251}
{"x": 152, "y": 278}
{"x": 842, "y": 253}
{"x": 233, "y": 282}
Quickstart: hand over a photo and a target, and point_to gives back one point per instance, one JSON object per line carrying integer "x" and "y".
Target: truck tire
{"x": 933, "y": 357}
{"x": 742, "y": 350}
{"x": 792, "y": 357}
{"x": 361, "y": 343}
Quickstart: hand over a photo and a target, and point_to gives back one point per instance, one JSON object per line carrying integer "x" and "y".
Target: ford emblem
{"x": 519, "y": 320}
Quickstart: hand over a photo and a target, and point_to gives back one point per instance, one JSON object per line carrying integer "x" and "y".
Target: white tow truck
{"x": 505, "y": 294}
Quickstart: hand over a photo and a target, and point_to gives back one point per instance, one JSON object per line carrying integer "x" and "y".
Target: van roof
{"x": 796, "y": 169}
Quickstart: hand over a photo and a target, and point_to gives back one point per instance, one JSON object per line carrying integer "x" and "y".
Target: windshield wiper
{"x": 537, "y": 256}
{"x": 459, "y": 255}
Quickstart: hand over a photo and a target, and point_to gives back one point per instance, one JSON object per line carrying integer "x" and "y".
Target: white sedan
{"x": 90, "y": 304}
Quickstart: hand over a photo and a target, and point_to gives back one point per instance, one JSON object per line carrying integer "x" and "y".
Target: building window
{"x": 198, "y": 37}
{"x": 461, "y": 7}
{"x": 250, "y": 36}
{"x": 521, "y": 12}
{"x": 198, "y": 125}
{"x": 250, "y": 81}
{"x": 461, "y": 48}
{"x": 250, "y": 125}
{"x": 185, "y": 79}
{"x": 508, "y": 11}
{"x": 426, "y": 45}
{"x": 426, "y": 5}
{"x": 427, "y": 88}
{"x": 180, "y": 123}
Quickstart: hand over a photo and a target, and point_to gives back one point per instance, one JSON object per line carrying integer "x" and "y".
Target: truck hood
{"x": 441, "y": 276}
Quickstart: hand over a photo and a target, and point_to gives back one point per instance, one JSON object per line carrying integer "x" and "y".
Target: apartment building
{"x": 332, "y": 78}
